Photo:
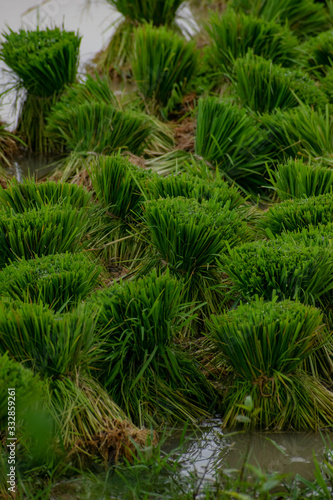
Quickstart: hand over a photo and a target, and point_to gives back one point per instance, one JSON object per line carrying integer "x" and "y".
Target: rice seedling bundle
{"x": 265, "y": 344}
{"x": 297, "y": 179}
{"x": 150, "y": 378}
{"x": 52, "y": 345}
{"x": 289, "y": 269}
{"x": 229, "y": 138}
{"x": 306, "y": 19}
{"x": 299, "y": 131}
{"x": 233, "y": 34}
{"x": 42, "y": 62}
{"x": 291, "y": 215}
{"x": 263, "y": 86}
{"x": 319, "y": 52}
{"x": 28, "y": 194}
{"x": 49, "y": 230}
{"x": 162, "y": 62}
{"x": 192, "y": 186}
{"x": 8, "y": 145}
{"x": 98, "y": 127}
{"x": 27, "y": 387}
{"x": 157, "y": 12}
{"x": 60, "y": 281}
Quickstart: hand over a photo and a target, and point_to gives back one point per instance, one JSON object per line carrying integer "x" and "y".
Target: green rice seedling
{"x": 299, "y": 131}
{"x": 263, "y": 86}
{"x": 230, "y": 139}
{"x": 28, "y": 194}
{"x": 189, "y": 237}
{"x": 147, "y": 375}
{"x": 291, "y": 215}
{"x": 192, "y": 186}
{"x": 265, "y": 343}
{"x": 60, "y": 281}
{"x": 42, "y": 62}
{"x": 233, "y": 34}
{"x": 19, "y": 391}
{"x": 319, "y": 52}
{"x": 162, "y": 61}
{"x": 98, "y": 127}
{"x": 305, "y": 21}
{"x": 8, "y": 146}
{"x": 280, "y": 267}
{"x": 326, "y": 84}
{"x": 52, "y": 345}
{"x": 160, "y": 12}
{"x": 49, "y": 230}
{"x": 297, "y": 179}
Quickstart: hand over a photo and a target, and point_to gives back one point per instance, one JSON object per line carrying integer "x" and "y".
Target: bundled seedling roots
{"x": 117, "y": 442}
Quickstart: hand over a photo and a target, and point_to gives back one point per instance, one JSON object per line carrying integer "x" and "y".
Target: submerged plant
{"x": 297, "y": 179}
{"x": 42, "y": 63}
{"x": 163, "y": 62}
{"x": 232, "y": 35}
{"x": 60, "y": 281}
{"x": 291, "y": 215}
{"x": 231, "y": 140}
{"x": 265, "y": 344}
{"x": 263, "y": 86}
{"x": 146, "y": 374}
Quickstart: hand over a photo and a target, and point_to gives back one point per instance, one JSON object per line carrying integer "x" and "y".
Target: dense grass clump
{"x": 299, "y": 131}
{"x": 42, "y": 62}
{"x": 147, "y": 375}
{"x": 157, "y": 12}
{"x": 60, "y": 281}
{"x": 265, "y": 343}
{"x": 283, "y": 267}
{"x": 189, "y": 237}
{"x": 27, "y": 389}
{"x": 263, "y": 86}
{"x": 297, "y": 179}
{"x": 163, "y": 62}
{"x": 306, "y": 20}
{"x": 49, "y": 230}
{"x": 98, "y": 127}
{"x": 292, "y": 215}
{"x": 230, "y": 139}
{"x": 28, "y": 194}
{"x": 232, "y": 35}
{"x": 192, "y": 186}
{"x": 319, "y": 52}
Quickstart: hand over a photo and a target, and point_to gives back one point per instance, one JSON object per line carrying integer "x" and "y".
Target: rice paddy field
{"x": 166, "y": 258}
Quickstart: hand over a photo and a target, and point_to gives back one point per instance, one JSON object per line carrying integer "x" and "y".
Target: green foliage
{"x": 49, "y": 230}
{"x": 233, "y": 34}
{"x": 28, "y": 194}
{"x": 27, "y": 388}
{"x": 188, "y": 237}
{"x": 263, "y": 86}
{"x": 229, "y": 138}
{"x": 265, "y": 343}
{"x": 98, "y": 127}
{"x": 92, "y": 89}
{"x": 319, "y": 52}
{"x": 300, "y": 131}
{"x": 52, "y": 345}
{"x": 291, "y": 215}
{"x": 157, "y": 12}
{"x": 281, "y": 267}
{"x": 150, "y": 378}
{"x": 61, "y": 280}
{"x": 8, "y": 145}
{"x": 297, "y": 179}
{"x": 306, "y": 20}
{"x": 162, "y": 62}
{"x": 192, "y": 186}
{"x": 44, "y": 61}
